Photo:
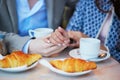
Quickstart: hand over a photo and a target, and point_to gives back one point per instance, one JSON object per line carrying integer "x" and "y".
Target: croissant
{"x": 73, "y": 65}
{"x": 18, "y": 58}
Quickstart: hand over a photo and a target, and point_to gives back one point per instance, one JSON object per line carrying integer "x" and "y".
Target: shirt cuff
{"x": 25, "y": 47}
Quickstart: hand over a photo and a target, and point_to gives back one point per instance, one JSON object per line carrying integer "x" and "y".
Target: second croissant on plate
{"x": 73, "y": 65}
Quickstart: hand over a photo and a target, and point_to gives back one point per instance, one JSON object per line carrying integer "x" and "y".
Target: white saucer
{"x": 75, "y": 53}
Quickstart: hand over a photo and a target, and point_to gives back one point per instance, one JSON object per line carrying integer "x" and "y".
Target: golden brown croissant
{"x": 73, "y": 65}
{"x": 18, "y": 58}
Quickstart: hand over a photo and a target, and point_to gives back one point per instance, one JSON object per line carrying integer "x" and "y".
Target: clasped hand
{"x": 56, "y": 42}
{"x": 65, "y": 38}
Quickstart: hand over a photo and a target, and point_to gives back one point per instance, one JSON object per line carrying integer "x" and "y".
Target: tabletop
{"x": 106, "y": 70}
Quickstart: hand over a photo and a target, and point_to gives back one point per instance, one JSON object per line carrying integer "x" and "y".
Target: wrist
{"x": 31, "y": 44}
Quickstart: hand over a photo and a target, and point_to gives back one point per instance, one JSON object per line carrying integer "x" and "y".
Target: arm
{"x": 14, "y": 41}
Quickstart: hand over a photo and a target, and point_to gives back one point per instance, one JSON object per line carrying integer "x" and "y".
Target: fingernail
{"x": 59, "y": 44}
{"x": 66, "y": 41}
{"x": 48, "y": 41}
{"x": 64, "y": 44}
{"x": 59, "y": 27}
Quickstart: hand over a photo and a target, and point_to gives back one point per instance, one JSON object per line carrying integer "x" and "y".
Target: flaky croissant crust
{"x": 18, "y": 58}
{"x": 73, "y": 65}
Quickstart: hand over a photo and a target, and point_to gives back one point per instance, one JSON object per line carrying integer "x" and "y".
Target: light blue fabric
{"x": 2, "y": 36}
{"x": 31, "y": 19}
{"x": 25, "y": 47}
{"x": 87, "y": 18}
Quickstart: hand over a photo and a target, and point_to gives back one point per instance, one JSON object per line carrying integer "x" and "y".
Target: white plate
{"x": 47, "y": 64}
{"x": 18, "y": 69}
{"x": 75, "y": 53}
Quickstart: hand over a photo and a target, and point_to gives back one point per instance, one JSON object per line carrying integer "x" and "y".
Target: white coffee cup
{"x": 40, "y": 32}
{"x": 89, "y": 48}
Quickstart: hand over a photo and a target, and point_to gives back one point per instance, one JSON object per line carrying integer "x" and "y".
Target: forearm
{"x": 14, "y": 41}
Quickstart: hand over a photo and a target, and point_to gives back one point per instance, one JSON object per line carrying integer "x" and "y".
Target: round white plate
{"x": 19, "y": 69}
{"x": 75, "y": 53}
{"x": 47, "y": 64}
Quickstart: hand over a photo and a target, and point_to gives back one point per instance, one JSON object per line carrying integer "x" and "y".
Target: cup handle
{"x": 31, "y": 33}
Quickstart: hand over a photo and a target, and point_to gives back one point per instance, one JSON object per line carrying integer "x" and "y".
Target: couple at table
{"x": 91, "y": 18}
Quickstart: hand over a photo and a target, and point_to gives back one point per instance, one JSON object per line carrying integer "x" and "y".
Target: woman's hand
{"x": 75, "y": 37}
{"x": 59, "y": 37}
{"x": 39, "y": 45}
{"x": 65, "y": 38}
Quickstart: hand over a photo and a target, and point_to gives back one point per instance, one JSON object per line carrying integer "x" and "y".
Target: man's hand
{"x": 44, "y": 48}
